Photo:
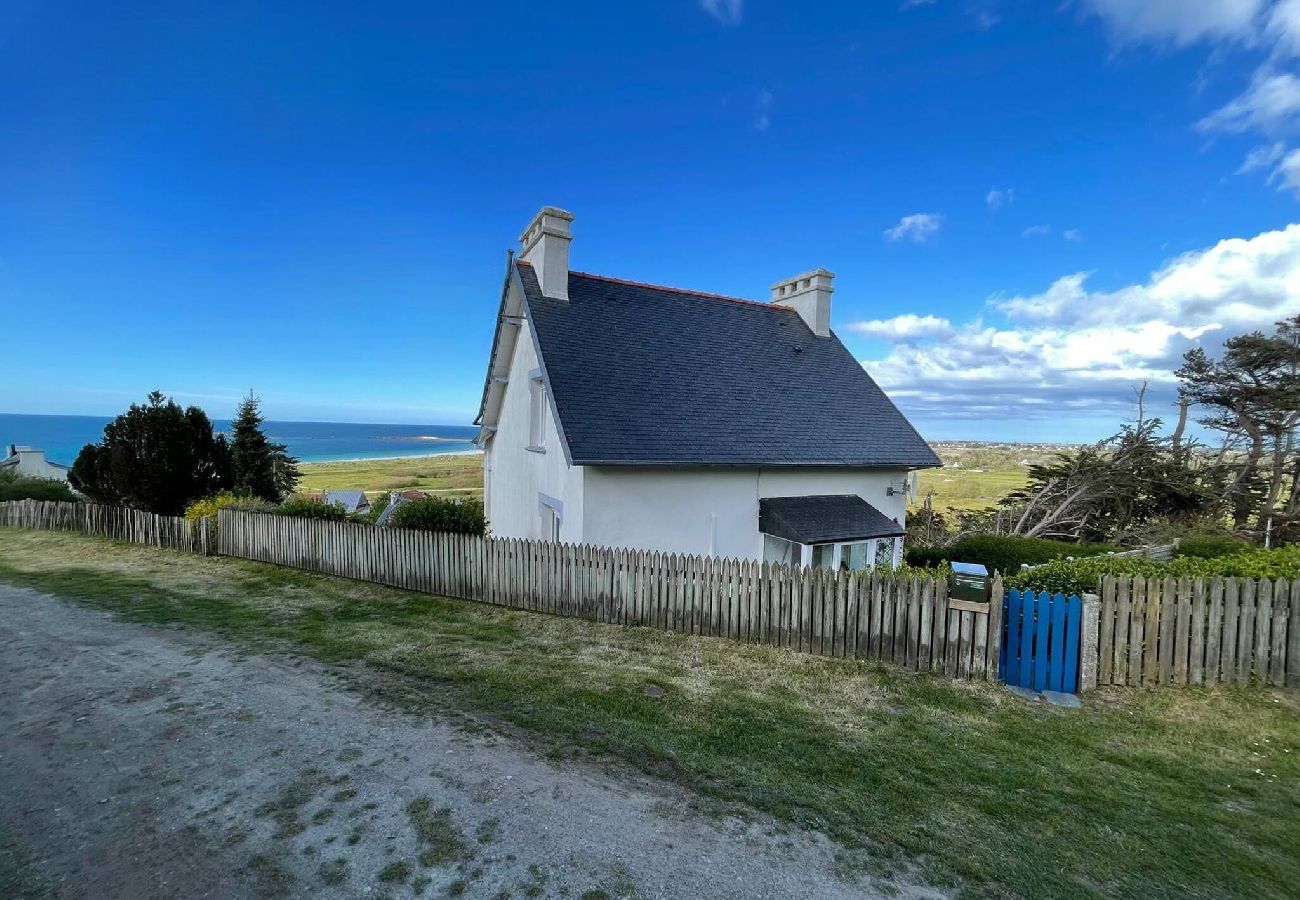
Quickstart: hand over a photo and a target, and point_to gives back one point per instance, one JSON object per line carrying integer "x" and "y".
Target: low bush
{"x": 1210, "y": 546}
{"x": 459, "y": 516}
{"x": 1001, "y": 553}
{"x": 312, "y": 508}
{"x": 1083, "y": 575}
{"x": 209, "y": 506}
{"x": 20, "y": 487}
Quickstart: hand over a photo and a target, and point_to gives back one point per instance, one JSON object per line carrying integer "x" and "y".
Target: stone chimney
{"x": 545, "y": 244}
{"x": 808, "y": 294}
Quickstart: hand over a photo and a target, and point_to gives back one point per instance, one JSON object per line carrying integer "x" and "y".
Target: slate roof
{"x": 351, "y": 500}
{"x": 825, "y": 517}
{"x": 641, "y": 374}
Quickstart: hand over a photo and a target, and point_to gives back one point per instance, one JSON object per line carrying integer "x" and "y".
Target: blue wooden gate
{"x": 1040, "y": 641}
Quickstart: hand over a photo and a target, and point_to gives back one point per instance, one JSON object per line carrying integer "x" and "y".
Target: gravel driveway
{"x": 142, "y": 762}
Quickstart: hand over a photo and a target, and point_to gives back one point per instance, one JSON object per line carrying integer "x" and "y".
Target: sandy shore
{"x": 365, "y": 459}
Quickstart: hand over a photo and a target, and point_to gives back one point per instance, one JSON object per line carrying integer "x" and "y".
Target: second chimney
{"x": 545, "y": 244}
{"x": 808, "y": 294}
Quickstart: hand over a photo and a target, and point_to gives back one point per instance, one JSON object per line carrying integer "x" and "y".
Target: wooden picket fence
{"x": 119, "y": 523}
{"x": 1157, "y": 631}
{"x": 855, "y": 615}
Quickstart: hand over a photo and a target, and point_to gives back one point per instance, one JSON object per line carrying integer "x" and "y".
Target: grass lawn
{"x": 1187, "y": 793}
{"x": 452, "y": 475}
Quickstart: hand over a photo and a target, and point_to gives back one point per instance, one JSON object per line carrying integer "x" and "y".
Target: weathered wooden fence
{"x": 1156, "y": 631}
{"x": 115, "y": 522}
{"x": 855, "y": 615}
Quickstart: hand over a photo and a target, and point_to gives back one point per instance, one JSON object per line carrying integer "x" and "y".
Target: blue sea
{"x": 62, "y": 437}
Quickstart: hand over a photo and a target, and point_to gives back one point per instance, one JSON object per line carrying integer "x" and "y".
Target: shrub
{"x": 209, "y": 506}
{"x": 1082, "y": 575}
{"x": 21, "y": 487}
{"x": 311, "y": 508}
{"x": 1001, "y": 553}
{"x": 1210, "y": 546}
{"x": 459, "y": 516}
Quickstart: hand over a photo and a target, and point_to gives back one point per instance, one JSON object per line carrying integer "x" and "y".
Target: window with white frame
{"x": 536, "y": 413}
{"x": 552, "y": 516}
{"x": 852, "y": 555}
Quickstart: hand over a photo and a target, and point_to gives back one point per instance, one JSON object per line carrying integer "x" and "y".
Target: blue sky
{"x": 1030, "y": 207}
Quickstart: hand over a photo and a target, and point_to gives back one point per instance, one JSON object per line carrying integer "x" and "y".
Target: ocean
{"x": 62, "y": 437}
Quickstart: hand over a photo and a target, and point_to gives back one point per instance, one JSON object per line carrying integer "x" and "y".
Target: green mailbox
{"x": 970, "y": 582}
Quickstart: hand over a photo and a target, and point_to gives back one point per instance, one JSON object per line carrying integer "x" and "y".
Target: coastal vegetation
{"x": 959, "y": 783}
{"x": 19, "y": 487}
{"x": 161, "y": 458}
{"x": 453, "y": 474}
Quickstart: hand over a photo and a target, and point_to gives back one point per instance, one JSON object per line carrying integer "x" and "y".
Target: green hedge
{"x": 20, "y": 487}
{"x": 1001, "y": 553}
{"x": 442, "y": 514}
{"x": 1083, "y": 575}
{"x": 1211, "y": 546}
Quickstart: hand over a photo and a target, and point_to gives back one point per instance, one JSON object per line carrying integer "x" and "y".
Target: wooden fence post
{"x": 1088, "y": 640}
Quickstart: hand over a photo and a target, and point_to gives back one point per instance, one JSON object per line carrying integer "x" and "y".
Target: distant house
{"x": 351, "y": 501}
{"x": 31, "y": 463}
{"x": 634, "y": 415}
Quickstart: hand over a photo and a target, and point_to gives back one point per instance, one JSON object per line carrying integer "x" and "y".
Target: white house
{"x": 29, "y": 462}
{"x": 633, "y": 415}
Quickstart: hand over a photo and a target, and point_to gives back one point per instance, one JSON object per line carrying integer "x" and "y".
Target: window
{"x": 854, "y": 556}
{"x": 536, "y": 413}
{"x": 779, "y": 551}
{"x": 823, "y": 556}
{"x": 885, "y": 553}
{"x": 552, "y": 515}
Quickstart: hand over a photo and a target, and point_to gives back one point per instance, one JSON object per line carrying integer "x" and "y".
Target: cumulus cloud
{"x": 728, "y": 12}
{"x": 907, "y": 327}
{"x": 1182, "y": 22}
{"x": 919, "y": 227}
{"x": 1069, "y": 348}
{"x": 996, "y": 199}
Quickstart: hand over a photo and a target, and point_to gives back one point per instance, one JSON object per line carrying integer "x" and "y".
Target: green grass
{"x": 1141, "y": 793}
{"x": 451, "y": 475}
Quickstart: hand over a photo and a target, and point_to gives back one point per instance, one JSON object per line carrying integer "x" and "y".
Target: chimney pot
{"x": 808, "y": 294}
{"x": 545, "y": 244}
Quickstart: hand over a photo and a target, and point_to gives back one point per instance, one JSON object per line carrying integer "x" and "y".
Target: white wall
{"x": 32, "y": 464}
{"x": 703, "y": 510}
{"x": 514, "y": 476}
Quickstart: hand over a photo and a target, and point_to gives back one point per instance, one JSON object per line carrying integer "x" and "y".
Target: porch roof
{"x": 822, "y": 518}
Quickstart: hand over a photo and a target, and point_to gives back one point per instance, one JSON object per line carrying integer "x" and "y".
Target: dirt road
{"x": 141, "y": 762}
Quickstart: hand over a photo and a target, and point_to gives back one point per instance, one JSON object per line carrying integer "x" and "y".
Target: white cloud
{"x": 1181, "y": 21}
{"x": 904, "y": 328}
{"x": 918, "y": 227}
{"x": 1284, "y": 26}
{"x": 909, "y": 4}
{"x": 1271, "y": 101}
{"x": 1036, "y": 231}
{"x": 1072, "y": 234}
{"x": 996, "y": 199}
{"x": 728, "y": 12}
{"x": 1262, "y": 157}
{"x": 1070, "y": 350}
{"x": 1286, "y": 175}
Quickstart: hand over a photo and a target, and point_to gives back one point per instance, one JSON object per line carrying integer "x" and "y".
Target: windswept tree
{"x": 1251, "y": 395}
{"x": 156, "y": 456}
{"x": 259, "y": 467}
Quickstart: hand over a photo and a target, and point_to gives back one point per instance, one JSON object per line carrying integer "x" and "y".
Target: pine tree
{"x": 260, "y": 468}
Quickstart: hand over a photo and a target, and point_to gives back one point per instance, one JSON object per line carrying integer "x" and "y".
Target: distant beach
{"x": 62, "y": 437}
